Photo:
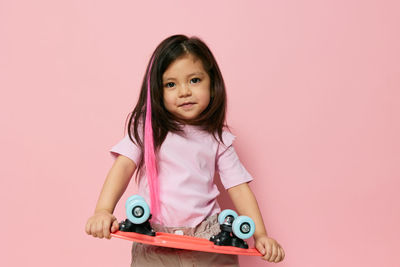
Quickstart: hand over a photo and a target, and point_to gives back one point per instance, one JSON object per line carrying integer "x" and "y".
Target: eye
{"x": 195, "y": 80}
{"x": 170, "y": 84}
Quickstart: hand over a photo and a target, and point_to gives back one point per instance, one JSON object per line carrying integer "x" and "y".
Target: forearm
{"x": 115, "y": 184}
{"x": 246, "y": 204}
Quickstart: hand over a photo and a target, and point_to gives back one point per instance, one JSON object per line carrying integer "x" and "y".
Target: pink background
{"x": 313, "y": 91}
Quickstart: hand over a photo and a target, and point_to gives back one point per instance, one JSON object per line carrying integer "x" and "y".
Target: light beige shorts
{"x": 147, "y": 255}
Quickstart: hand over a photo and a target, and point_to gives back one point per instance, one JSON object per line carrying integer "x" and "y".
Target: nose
{"x": 185, "y": 91}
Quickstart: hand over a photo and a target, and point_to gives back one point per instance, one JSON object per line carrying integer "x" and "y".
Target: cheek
{"x": 207, "y": 92}
{"x": 168, "y": 100}
{"x": 205, "y": 96}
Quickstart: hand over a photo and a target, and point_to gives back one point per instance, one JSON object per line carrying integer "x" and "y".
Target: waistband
{"x": 205, "y": 229}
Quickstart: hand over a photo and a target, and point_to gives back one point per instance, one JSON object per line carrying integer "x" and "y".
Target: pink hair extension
{"x": 149, "y": 155}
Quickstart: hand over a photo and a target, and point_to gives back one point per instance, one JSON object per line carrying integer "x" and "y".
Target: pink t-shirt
{"x": 186, "y": 166}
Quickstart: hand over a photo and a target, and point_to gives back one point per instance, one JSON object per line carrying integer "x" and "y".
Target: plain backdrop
{"x": 313, "y": 98}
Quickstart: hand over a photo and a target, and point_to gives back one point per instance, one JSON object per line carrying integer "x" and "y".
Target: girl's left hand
{"x": 271, "y": 250}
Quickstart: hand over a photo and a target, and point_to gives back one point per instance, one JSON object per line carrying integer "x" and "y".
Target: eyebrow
{"x": 192, "y": 74}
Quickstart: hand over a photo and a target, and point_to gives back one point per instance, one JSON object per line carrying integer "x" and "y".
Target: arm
{"x": 114, "y": 186}
{"x": 246, "y": 204}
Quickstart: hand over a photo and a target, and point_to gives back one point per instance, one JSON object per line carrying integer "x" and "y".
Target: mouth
{"x": 187, "y": 104}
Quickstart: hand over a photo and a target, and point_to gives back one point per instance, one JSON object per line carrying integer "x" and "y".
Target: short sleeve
{"x": 126, "y": 148}
{"x": 230, "y": 169}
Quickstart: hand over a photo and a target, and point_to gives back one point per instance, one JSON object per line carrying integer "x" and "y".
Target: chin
{"x": 187, "y": 118}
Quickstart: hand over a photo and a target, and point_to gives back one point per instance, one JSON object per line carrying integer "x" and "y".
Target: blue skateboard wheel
{"x": 243, "y": 227}
{"x": 137, "y": 211}
{"x": 225, "y": 213}
{"x": 132, "y": 198}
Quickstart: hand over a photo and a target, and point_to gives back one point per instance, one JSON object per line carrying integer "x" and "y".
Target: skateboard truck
{"x": 143, "y": 228}
{"x": 234, "y": 229}
{"x": 138, "y": 213}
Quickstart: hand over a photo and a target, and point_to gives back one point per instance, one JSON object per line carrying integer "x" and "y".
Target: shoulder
{"x": 227, "y": 139}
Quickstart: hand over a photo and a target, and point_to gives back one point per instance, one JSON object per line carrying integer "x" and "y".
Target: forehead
{"x": 183, "y": 66}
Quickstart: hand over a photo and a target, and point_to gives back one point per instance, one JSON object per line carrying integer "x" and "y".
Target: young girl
{"x": 175, "y": 143}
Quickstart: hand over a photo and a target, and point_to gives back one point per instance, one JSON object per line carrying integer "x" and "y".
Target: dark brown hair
{"x": 212, "y": 119}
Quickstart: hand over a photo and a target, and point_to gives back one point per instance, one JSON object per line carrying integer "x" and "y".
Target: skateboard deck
{"x": 184, "y": 242}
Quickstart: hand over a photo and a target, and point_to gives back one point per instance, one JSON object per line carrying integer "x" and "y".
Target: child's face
{"x": 186, "y": 87}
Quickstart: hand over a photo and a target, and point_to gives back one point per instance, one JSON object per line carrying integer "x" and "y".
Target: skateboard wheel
{"x": 226, "y": 213}
{"x": 243, "y": 227}
{"x": 132, "y": 198}
{"x": 137, "y": 211}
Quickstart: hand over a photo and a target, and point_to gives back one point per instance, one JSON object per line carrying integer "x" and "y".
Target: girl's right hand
{"x": 100, "y": 224}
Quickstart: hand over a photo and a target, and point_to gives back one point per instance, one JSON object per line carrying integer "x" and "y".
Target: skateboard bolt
{"x": 245, "y": 228}
{"x": 138, "y": 212}
{"x": 229, "y": 220}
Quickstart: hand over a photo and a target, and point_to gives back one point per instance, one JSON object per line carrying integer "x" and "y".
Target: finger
{"x": 279, "y": 255}
{"x": 115, "y": 226}
{"x": 87, "y": 228}
{"x": 106, "y": 229}
{"x": 93, "y": 230}
{"x": 274, "y": 253}
{"x": 260, "y": 248}
{"x": 268, "y": 252}
{"x": 283, "y": 253}
{"x": 99, "y": 229}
